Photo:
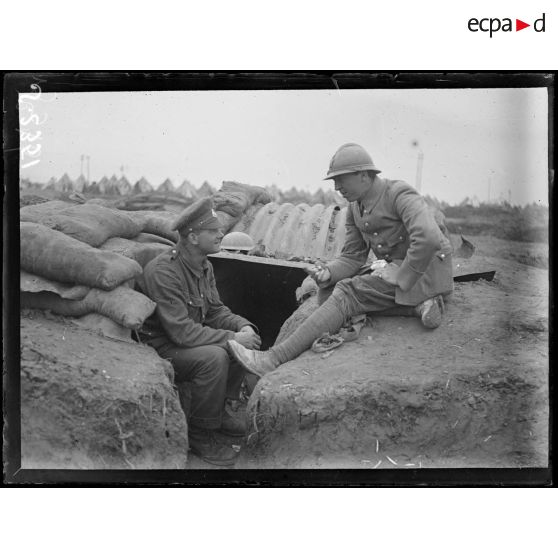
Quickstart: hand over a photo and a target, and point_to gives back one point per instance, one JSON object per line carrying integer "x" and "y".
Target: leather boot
{"x": 255, "y": 362}
{"x": 205, "y": 445}
{"x": 231, "y": 425}
{"x": 430, "y": 312}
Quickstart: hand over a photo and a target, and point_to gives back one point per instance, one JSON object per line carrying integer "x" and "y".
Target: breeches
{"x": 205, "y": 376}
{"x": 360, "y": 294}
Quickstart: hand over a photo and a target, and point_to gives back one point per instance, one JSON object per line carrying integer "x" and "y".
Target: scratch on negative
{"x": 336, "y": 85}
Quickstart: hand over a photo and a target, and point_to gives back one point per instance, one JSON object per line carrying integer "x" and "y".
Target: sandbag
{"x": 102, "y": 201}
{"x": 123, "y": 305}
{"x": 141, "y": 252}
{"x": 35, "y": 213}
{"x": 31, "y": 283}
{"x": 155, "y": 222}
{"x": 51, "y": 301}
{"x": 234, "y": 198}
{"x": 149, "y": 238}
{"x": 104, "y": 326}
{"x": 54, "y": 255}
{"x": 92, "y": 224}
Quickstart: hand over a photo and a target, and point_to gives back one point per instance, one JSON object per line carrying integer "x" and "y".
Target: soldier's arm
{"x": 164, "y": 287}
{"x": 354, "y": 253}
{"x": 424, "y": 235}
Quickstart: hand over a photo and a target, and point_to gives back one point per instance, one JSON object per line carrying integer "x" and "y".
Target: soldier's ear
{"x": 193, "y": 238}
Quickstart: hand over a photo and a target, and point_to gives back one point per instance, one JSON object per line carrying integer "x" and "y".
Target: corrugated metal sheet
{"x": 301, "y": 230}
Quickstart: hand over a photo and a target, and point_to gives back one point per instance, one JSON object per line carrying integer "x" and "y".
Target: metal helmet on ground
{"x": 350, "y": 157}
{"x": 237, "y": 241}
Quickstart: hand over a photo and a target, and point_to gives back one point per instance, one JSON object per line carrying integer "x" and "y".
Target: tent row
{"x": 115, "y": 186}
{"x": 122, "y": 187}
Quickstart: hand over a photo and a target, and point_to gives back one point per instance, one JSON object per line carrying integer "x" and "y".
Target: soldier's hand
{"x": 388, "y": 273}
{"x": 248, "y": 339}
{"x": 318, "y": 273}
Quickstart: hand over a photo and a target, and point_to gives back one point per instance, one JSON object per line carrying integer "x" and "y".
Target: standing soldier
{"x": 191, "y": 327}
{"x": 390, "y": 218}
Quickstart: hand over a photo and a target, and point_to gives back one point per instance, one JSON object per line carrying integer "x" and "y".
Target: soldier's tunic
{"x": 191, "y": 326}
{"x": 394, "y": 222}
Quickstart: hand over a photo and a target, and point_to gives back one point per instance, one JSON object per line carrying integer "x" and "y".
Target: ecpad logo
{"x": 492, "y": 25}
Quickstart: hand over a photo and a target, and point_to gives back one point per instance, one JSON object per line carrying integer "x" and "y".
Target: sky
{"x": 488, "y": 143}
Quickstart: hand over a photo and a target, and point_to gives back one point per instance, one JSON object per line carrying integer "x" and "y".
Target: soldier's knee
{"x": 342, "y": 289}
{"x": 217, "y": 360}
{"x": 324, "y": 293}
{"x": 343, "y": 298}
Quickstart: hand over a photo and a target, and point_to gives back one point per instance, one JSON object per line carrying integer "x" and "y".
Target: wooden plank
{"x": 487, "y": 275}
{"x": 258, "y": 259}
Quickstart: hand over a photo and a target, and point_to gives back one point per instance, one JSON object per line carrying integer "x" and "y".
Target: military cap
{"x": 199, "y": 215}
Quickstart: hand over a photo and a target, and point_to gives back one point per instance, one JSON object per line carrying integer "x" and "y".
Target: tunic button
{"x": 375, "y": 234}
{"x": 365, "y": 224}
{"x": 400, "y": 238}
{"x": 442, "y": 256}
{"x": 379, "y": 245}
{"x": 202, "y": 296}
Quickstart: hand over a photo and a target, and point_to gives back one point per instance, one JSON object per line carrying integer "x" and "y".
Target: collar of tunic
{"x": 372, "y": 197}
{"x": 186, "y": 260}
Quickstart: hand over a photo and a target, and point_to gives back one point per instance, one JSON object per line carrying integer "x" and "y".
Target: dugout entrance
{"x": 260, "y": 289}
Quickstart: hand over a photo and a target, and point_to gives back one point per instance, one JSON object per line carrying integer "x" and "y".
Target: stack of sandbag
{"x": 90, "y": 223}
{"x": 234, "y": 199}
{"x": 81, "y": 261}
{"x": 123, "y": 305}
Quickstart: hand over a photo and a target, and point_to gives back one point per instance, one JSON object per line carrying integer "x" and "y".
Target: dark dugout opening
{"x": 260, "y": 289}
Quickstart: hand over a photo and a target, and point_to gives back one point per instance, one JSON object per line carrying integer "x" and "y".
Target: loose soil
{"x": 90, "y": 402}
{"x": 472, "y": 393}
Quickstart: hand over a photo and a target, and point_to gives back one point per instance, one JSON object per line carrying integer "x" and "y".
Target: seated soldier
{"x": 191, "y": 326}
{"x": 390, "y": 218}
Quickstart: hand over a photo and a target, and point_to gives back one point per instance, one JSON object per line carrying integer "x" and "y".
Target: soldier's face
{"x": 353, "y": 186}
{"x": 209, "y": 240}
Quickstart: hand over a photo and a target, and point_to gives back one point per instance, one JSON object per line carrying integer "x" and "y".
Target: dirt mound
{"x": 472, "y": 393}
{"x": 89, "y": 402}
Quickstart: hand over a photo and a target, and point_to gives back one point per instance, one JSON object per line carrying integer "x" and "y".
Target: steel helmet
{"x": 350, "y": 157}
{"x": 237, "y": 241}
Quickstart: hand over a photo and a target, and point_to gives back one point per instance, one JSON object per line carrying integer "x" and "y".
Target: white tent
{"x": 166, "y": 186}
{"x": 80, "y": 183}
{"x": 51, "y": 184}
{"x": 187, "y": 189}
{"x": 64, "y": 184}
{"x": 124, "y": 187}
{"x": 103, "y": 184}
{"x": 205, "y": 190}
{"x": 142, "y": 186}
{"x": 112, "y": 188}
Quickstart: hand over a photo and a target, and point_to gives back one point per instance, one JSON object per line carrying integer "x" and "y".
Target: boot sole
{"x": 242, "y": 363}
{"x": 219, "y": 463}
{"x": 232, "y": 434}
